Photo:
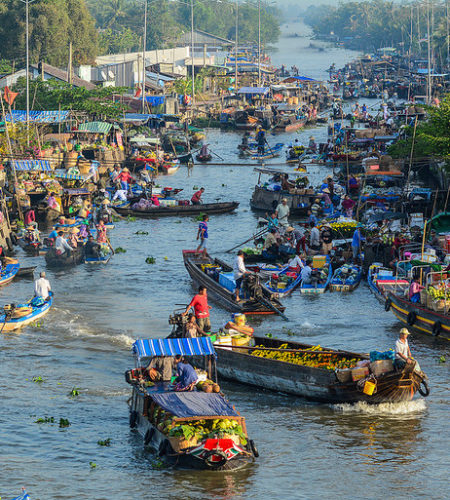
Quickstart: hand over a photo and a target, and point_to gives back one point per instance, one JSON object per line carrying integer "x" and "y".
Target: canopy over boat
{"x": 147, "y": 348}
{"x": 194, "y": 404}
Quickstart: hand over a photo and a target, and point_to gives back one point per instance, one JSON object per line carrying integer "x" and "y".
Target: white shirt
{"x": 314, "y": 237}
{"x": 283, "y": 213}
{"x": 296, "y": 262}
{"x": 239, "y": 267}
{"x": 306, "y": 274}
{"x": 401, "y": 348}
{"x": 42, "y": 288}
{"x": 121, "y": 194}
{"x": 61, "y": 244}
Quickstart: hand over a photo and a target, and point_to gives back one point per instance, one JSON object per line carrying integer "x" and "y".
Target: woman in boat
{"x": 187, "y": 377}
{"x": 414, "y": 291}
{"x": 102, "y": 238}
{"x": 191, "y": 329}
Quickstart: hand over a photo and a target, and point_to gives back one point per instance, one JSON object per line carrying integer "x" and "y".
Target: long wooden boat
{"x": 75, "y": 257}
{"x": 217, "y": 276}
{"x": 419, "y": 317}
{"x": 10, "y": 323}
{"x": 340, "y": 282}
{"x": 9, "y": 273}
{"x": 315, "y": 383}
{"x": 218, "y": 440}
{"x": 381, "y": 281}
{"x": 179, "y": 210}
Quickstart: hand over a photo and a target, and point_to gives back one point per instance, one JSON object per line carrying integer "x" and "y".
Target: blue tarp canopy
{"x": 38, "y": 116}
{"x": 194, "y": 404}
{"x": 69, "y": 177}
{"x": 155, "y": 100}
{"x": 27, "y": 165}
{"x": 146, "y": 348}
{"x": 302, "y": 78}
{"x": 254, "y": 90}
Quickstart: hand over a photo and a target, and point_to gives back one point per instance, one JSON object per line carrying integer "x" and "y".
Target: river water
{"x": 307, "y": 450}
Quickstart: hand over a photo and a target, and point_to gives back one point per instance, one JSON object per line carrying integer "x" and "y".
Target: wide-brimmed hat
{"x": 125, "y": 170}
{"x": 405, "y": 331}
{"x": 106, "y": 202}
{"x": 74, "y": 230}
{"x": 289, "y": 229}
{"x": 284, "y": 199}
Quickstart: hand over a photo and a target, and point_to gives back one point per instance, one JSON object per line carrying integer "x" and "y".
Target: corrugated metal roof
{"x": 95, "y": 127}
{"x": 38, "y": 116}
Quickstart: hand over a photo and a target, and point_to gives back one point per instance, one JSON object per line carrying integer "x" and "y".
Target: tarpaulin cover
{"x": 254, "y": 90}
{"x": 195, "y": 404}
{"x": 201, "y": 346}
{"x": 95, "y": 127}
{"x": 38, "y": 116}
{"x": 155, "y": 100}
{"x": 27, "y": 165}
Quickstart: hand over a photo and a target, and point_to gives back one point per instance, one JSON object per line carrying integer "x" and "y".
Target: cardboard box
{"x": 359, "y": 373}
{"x": 381, "y": 366}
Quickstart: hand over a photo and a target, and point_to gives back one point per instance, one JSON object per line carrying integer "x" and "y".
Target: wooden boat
{"x": 321, "y": 278}
{"x": 253, "y": 149}
{"x": 75, "y": 257}
{"x": 204, "y": 158}
{"x": 179, "y": 210}
{"x": 284, "y": 282}
{"x": 314, "y": 383}
{"x": 164, "y": 417}
{"x": 100, "y": 259}
{"x": 217, "y": 276}
{"x": 25, "y": 271}
{"x": 9, "y": 272}
{"x": 381, "y": 281}
{"x": 346, "y": 278}
{"x": 418, "y": 317}
{"x": 169, "y": 168}
{"x": 16, "y": 318}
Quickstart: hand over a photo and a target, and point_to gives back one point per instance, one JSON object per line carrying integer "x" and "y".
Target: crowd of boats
{"x": 368, "y": 219}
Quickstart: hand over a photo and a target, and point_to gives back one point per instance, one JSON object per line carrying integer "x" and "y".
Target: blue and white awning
{"x": 28, "y": 165}
{"x": 146, "y": 348}
{"x": 69, "y": 177}
{"x": 38, "y": 116}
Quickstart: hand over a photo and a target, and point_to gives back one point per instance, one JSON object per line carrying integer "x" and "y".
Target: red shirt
{"x": 197, "y": 196}
{"x": 200, "y": 305}
{"x": 124, "y": 177}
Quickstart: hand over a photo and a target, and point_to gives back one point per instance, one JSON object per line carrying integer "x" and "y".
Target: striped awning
{"x": 38, "y": 116}
{"x": 95, "y": 127}
{"x": 69, "y": 177}
{"x": 28, "y": 165}
{"x": 146, "y": 348}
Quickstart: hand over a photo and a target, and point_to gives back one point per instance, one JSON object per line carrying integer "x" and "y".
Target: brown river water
{"x": 307, "y": 450}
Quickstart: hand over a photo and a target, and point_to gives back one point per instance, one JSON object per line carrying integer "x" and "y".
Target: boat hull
{"x": 75, "y": 257}
{"x": 425, "y": 320}
{"x": 18, "y": 323}
{"x": 180, "y": 210}
{"x": 9, "y": 273}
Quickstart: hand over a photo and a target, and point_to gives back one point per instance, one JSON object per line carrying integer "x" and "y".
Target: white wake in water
{"x": 404, "y": 408}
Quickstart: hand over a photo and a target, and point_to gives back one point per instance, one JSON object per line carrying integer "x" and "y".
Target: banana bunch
{"x": 311, "y": 358}
{"x": 203, "y": 429}
{"x": 439, "y": 293}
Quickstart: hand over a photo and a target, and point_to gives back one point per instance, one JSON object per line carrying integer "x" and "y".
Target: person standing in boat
{"x": 42, "y": 287}
{"x": 239, "y": 271}
{"x": 282, "y": 212}
{"x": 202, "y": 235}
{"x": 197, "y": 197}
{"x": 201, "y": 309}
{"x": 261, "y": 141}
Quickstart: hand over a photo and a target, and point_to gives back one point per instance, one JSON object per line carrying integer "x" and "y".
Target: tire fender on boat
{"x": 437, "y": 326}
{"x": 149, "y": 436}
{"x": 253, "y": 448}
{"x": 426, "y": 390}
{"x": 133, "y": 419}
{"x": 387, "y": 305}
{"x": 411, "y": 318}
{"x": 216, "y": 453}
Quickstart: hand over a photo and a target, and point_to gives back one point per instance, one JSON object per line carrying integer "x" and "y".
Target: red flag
{"x": 10, "y": 96}
{"x": 138, "y": 92}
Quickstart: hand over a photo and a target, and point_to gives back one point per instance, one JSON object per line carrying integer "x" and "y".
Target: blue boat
{"x": 19, "y": 316}
{"x": 321, "y": 276}
{"x": 346, "y": 278}
{"x": 382, "y": 281}
{"x": 100, "y": 259}
{"x": 283, "y": 283}
{"x": 9, "y": 272}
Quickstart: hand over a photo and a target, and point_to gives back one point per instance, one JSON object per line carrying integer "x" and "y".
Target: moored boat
{"x": 9, "y": 272}
{"x": 317, "y": 373}
{"x": 73, "y": 258}
{"x": 346, "y": 278}
{"x": 197, "y": 429}
{"x": 179, "y": 210}
{"x": 284, "y": 282}
{"x": 381, "y": 281}
{"x": 320, "y": 277}
{"x": 218, "y": 278}
{"x": 16, "y": 317}
{"x": 204, "y": 158}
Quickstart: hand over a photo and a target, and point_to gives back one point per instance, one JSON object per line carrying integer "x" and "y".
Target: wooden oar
{"x": 216, "y": 155}
{"x": 257, "y": 235}
{"x": 109, "y": 244}
{"x": 269, "y": 305}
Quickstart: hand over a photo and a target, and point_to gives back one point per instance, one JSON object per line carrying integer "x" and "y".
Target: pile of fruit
{"x": 439, "y": 292}
{"x": 342, "y": 228}
{"x": 311, "y": 358}
{"x": 208, "y": 386}
{"x": 196, "y": 430}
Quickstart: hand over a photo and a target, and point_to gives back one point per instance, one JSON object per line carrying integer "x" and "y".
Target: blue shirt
{"x": 356, "y": 242}
{"x": 186, "y": 374}
{"x": 53, "y": 234}
{"x": 203, "y": 226}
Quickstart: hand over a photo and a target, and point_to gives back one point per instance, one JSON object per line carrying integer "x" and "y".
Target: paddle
{"x": 216, "y": 155}
{"x": 257, "y": 235}
{"x": 269, "y": 305}
{"x": 109, "y": 244}
{"x": 270, "y": 149}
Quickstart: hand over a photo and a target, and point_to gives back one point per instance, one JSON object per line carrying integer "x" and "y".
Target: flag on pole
{"x": 9, "y": 96}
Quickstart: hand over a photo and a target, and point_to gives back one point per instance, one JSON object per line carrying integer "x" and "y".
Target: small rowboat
{"x": 321, "y": 278}
{"x": 75, "y": 257}
{"x": 203, "y": 158}
{"x": 284, "y": 282}
{"x": 9, "y": 273}
{"x": 101, "y": 259}
{"x": 346, "y": 278}
{"x": 9, "y": 323}
{"x": 382, "y": 281}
